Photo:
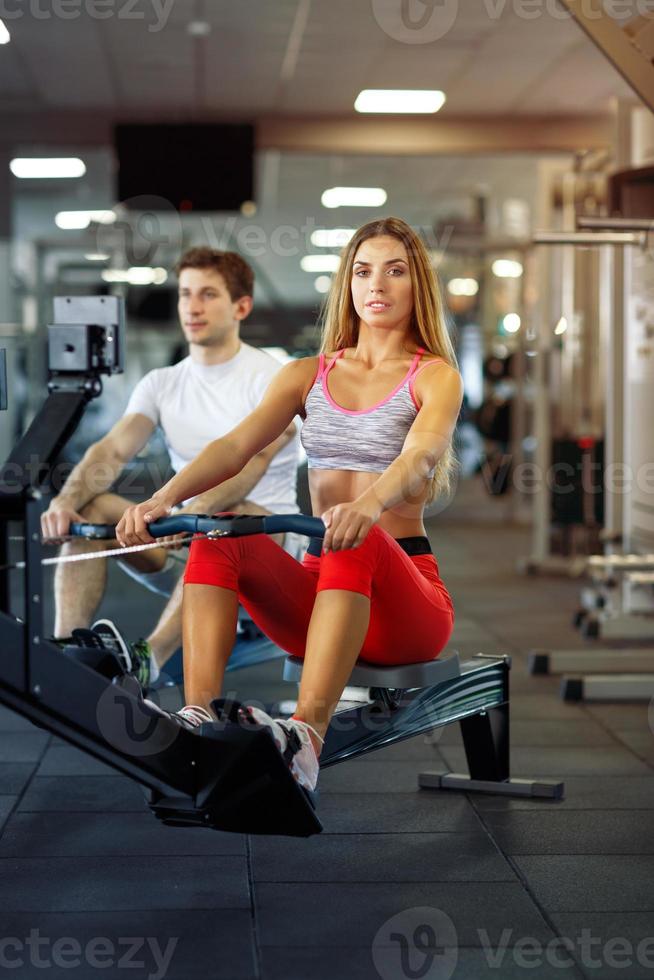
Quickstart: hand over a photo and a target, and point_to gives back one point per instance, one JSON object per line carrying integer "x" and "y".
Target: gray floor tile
{"x": 125, "y": 883}
{"x": 23, "y": 746}
{"x": 611, "y": 944}
{"x": 352, "y": 914}
{"x": 355, "y": 963}
{"x": 370, "y": 813}
{"x": 573, "y": 832}
{"x": 592, "y": 883}
{"x": 180, "y": 945}
{"x": 99, "y": 793}
{"x": 66, "y": 760}
{"x": 379, "y": 857}
{"x": 7, "y": 803}
{"x": 14, "y": 776}
{"x": 106, "y": 834}
{"x": 12, "y": 722}
{"x": 556, "y": 763}
{"x": 374, "y": 775}
{"x": 621, "y": 717}
{"x": 640, "y": 742}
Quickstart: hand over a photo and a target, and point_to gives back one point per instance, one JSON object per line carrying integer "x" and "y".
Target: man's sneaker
{"x": 135, "y": 657}
{"x": 293, "y": 739}
{"x": 190, "y": 717}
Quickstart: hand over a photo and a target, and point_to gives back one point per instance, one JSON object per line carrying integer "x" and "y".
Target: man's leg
{"x": 166, "y": 637}
{"x": 79, "y": 586}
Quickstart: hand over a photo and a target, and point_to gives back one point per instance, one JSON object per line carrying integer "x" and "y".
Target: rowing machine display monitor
{"x": 87, "y": 339}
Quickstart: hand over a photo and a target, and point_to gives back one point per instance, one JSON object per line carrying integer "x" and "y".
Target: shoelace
{"x": 195, "y": 715}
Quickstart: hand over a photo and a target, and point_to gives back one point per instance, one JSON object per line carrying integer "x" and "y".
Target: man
{"x": 204, "y": 396}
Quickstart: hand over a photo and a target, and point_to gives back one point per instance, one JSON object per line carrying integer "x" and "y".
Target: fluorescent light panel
{"x": 5, "y": 36}
{"x": 37, "y": 168}
{"x": 399, "y": 100}
{"x": 76, "y": 220}
{"x": 320, "y": 263}
{"x": 322, "y": 284}
{"x": 136, "y": 276}
{"x": 354, "y": 197}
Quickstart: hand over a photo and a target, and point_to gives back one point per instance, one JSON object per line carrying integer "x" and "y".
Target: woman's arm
{"x": 223, "y": 458}
{"x": 440, "y": 390}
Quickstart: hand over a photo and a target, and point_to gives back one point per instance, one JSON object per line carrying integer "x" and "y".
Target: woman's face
{"x": 382, "y": 291}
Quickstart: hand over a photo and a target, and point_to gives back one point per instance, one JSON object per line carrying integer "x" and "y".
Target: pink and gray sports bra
{"x": 336, "y": 438}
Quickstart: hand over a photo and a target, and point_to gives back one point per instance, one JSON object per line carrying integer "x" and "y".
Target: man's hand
{"x": 348, "y": 524}
{"x": 132, "y": 529}
{"x": 56, "y": 521}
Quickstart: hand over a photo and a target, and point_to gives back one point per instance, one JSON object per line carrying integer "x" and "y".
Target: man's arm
{"x": 99, "y": 468}
{"x": 233, "y": 491}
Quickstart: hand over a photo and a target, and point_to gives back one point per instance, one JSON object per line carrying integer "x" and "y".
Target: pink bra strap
{"x": 416, "y": 361}
{"x": 321, "y": 368}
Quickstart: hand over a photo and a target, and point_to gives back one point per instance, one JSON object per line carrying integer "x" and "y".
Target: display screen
{"x": 194, "y": 167}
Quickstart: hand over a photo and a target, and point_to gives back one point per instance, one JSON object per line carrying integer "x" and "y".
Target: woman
{"x": 380, "y": 406}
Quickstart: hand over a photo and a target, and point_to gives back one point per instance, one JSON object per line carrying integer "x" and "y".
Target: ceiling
{"x": 300, "y": 57}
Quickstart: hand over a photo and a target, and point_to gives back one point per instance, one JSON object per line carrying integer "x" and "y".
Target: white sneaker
{"x": 191, "y": 716}
{"x": 293, "y": 740}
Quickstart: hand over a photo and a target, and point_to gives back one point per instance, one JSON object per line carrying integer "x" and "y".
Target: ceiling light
{"x": 511, "y": 322}
{"x": 82, "y": 219}
{"x": 96, "y": 257}
{"x": 31, "y": 168}
{"x": 354, "y": 197}
{"x": 5, "y": 36}
{"x": 399, "y": 100}
{"x": 332, "y": 237}
{"x": 463, "y": 287}
{"x": 323, "y": 284}
{"x": 320, "y": 263}
{"x": 136, "y": 276}
{"x": 507, "y": 269}
{"x": 561, "y": 326}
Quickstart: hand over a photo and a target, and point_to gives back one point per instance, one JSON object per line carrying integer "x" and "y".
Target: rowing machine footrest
{"x": 243, "y": 786}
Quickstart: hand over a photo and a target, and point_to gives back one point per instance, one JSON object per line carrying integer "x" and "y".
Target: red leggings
{"x": 411, "y": 613}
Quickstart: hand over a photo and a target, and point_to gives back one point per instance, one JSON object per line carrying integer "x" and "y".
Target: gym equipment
{"x": 222, "y": 775}
{"x": 619, "y": 605}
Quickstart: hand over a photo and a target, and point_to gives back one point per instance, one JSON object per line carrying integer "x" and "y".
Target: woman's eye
{"x": 361, "y": 272}
{"x": 397, "y": 271}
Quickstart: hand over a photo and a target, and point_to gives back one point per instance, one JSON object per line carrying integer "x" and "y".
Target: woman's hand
{"x": 348, "y": 524}
{"x": 132, "y": 529}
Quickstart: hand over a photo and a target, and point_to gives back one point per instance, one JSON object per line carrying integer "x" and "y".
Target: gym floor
{"x": 497, "y": 880}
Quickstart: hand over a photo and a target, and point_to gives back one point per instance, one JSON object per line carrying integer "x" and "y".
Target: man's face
{"x": 207, "y": 313}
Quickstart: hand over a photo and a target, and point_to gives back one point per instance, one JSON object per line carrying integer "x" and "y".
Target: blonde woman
{"x": 379, "y": 404}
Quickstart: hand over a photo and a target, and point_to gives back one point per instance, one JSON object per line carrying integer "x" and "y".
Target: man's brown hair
{"x": 238, "y": 275}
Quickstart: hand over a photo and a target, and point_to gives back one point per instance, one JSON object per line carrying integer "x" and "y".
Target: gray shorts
{"x": 164, "y": 581}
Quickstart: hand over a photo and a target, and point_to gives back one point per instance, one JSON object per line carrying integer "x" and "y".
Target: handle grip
{"x": 234, "y": 527}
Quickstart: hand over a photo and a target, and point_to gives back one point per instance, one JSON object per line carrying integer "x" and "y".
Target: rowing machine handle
{"x": 238, "y": 526}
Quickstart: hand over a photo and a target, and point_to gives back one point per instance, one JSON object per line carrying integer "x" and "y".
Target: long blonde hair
{"x": 340, "y": 321}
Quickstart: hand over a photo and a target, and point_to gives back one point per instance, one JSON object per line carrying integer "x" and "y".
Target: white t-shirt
{"x": 196, "y": 403}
